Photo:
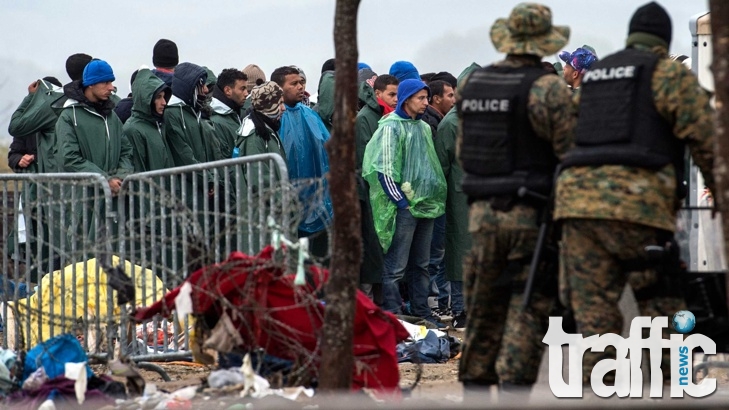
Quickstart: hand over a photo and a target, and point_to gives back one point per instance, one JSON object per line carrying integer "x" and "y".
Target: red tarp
{"x": 285, "y": 320}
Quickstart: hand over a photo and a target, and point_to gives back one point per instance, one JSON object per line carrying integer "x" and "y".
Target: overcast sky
{"x": 37, "y": 36}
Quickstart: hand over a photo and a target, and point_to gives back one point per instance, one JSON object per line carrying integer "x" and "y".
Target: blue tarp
{"x": 53, "y": 355}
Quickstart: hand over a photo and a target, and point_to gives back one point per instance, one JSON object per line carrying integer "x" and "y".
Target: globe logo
{"x": 683, "y": 321}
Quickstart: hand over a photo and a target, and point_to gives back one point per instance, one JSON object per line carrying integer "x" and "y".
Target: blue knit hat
{"x": 403, "y": 70}
{"x": 97, "y": 71}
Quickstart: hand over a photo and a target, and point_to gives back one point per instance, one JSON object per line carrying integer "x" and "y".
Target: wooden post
{"x": 335, "y": 372}
{"x": 720, "y": 68}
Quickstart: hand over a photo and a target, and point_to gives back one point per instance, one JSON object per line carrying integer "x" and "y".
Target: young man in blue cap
{"x": 89, "y": 133}
{"x": 576, "y": 65}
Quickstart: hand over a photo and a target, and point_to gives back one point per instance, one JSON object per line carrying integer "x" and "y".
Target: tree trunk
{"x": 335, "y": 372}
{"x": 720, "y": 68}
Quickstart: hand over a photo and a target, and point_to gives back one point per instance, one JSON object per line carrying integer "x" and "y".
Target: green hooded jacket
{"x": 226, "y": 122}
{"x": 325, "y": 99}
{"x": 144, "y": 130}
{"x": 251, "y": 143}
{"x": 402, "y": 149}
{"x": 90, "y": 142}
{"x": 35, "y": 115}
{"x": 458, "y": 239}
{"x": 190, "y": 138}
{"x": 365, "y": 126}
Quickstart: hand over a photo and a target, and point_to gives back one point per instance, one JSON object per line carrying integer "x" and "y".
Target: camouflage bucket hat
{"x": 529, "y": 30}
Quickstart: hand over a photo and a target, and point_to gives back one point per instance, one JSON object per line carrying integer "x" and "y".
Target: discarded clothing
{"x": 271, "y": 312}
{"x": 430, "y": 349}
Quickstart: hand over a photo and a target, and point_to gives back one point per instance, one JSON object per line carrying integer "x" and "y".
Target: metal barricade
{"x": 57, "y": 228}
{"x": 178, "y": 220}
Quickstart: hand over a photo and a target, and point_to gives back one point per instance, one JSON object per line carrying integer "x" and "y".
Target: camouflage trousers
{"x": 503, "y": 342}
{"x": 593, "y": 254}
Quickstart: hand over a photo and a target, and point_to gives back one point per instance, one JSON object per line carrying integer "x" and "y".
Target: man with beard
{"x": 303, "y": 135}
{"x": 229, "y": 95}
{"x": 90, "y": 133}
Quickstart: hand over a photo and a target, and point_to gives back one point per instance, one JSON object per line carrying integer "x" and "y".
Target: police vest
{"x": 618, "y": 122}
{"x": 500, "y": 152}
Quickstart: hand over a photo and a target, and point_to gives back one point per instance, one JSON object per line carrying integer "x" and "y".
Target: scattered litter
{"x": 429, "y": 349}
{"x": 35, "y": 380}
{"x": 7, "y": 362}
{"x": 77, "y": 372}
{"x": 225, "y": 377}
{"x": 419, "y": 332}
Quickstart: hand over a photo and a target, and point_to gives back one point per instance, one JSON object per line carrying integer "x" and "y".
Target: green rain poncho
{"x": 402, "y": 149}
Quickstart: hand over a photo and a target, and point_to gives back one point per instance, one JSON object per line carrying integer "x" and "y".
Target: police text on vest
{"x": 488, "y": 105}
{"x": 614, "y": 73}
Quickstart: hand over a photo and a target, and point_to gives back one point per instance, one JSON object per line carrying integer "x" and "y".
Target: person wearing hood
{"x": 23, "y": 158}
{"x": 35, "y": 115}
{"x": 407, "y": 192}
{"x": 517, "y": 119}
{"x": 229, "y": 95}
{"x": 303, "y": 135}
{"x": 145, "y": 127}
{"x": 325, "y": 94}
{"x": 36, "y": 119}
{"x": 145, "y": 131}
{"x": 189, "y": 137}
{"x": 90, "y": 133}
{"x": 371, "y": 89}
{"x": 621, "y": 183}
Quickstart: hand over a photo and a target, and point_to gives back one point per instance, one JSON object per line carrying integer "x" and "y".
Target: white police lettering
{"x": 614, "y": 73}
{"x": 628, "y": 374}
{"x": 485, "y": 105}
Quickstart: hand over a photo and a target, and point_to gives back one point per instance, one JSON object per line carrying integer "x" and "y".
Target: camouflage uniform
{"x": 610, "y": 213}
{"x": 502, "y": 340}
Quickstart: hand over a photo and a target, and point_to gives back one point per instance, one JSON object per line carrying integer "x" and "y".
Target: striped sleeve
{"x": 392, "y": 191}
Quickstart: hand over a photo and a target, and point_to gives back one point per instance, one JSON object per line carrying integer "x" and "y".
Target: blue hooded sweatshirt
{"x": 404, "y": 70}
{"x": 405, "y": 90}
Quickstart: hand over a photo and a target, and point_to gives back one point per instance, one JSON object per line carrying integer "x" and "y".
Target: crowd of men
{"x": 455, "y": 174}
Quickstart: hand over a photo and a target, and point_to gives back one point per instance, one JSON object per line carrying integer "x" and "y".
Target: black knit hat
{"x": 75, "y": 65}
{"x": 165, "y": 54}
{"x": 328, "y": 65}
{"x": 447, "y": 77}
{"x": 652, "y": 19}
